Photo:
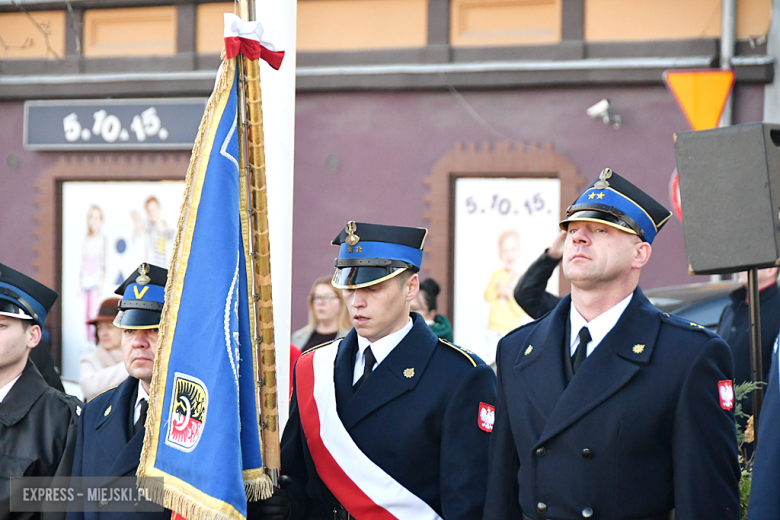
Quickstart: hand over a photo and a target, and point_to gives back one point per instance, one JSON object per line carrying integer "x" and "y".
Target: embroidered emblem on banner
{"x": 726, "y": 392}
{"x": 487, "y": 416}
{"x": 188, "y": 412}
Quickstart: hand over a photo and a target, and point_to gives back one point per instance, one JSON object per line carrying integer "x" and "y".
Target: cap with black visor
{"x": 23, "y": 298}
{"x": 372, "y": 253}
{"x": 614, "y": 201}
{"x": 143, "y": 297}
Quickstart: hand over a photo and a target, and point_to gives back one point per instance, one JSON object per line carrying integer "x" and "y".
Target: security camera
{"x": 600, "y": 110}
{"x": 603, "y": 110}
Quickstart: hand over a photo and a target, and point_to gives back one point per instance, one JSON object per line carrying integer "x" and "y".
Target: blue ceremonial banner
{"x": 202, "y": 430}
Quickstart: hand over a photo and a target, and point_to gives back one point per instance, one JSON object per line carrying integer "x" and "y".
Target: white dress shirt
{"x": 142, "y": 395}
{"x": 7, "y": 388}
{"x": 381, "y": 348}
{"x": 598, "y": 327}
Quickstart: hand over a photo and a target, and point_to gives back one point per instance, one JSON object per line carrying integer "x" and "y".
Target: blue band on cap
{"x": 365, "y": 249}
{"x": 147, "y": 293}
{"x": 39, "y": 309}
{"x": 624, "y": 204}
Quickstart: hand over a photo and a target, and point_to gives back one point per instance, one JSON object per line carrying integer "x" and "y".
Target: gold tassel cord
{"x": 264, "y": 330}
{"x": 252, "y": 160}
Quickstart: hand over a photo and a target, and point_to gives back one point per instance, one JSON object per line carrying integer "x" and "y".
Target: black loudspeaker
{"x": 730, "y": 192}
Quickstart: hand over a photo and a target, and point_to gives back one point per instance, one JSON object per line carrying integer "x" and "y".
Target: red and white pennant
{"x": 253, "y": 41}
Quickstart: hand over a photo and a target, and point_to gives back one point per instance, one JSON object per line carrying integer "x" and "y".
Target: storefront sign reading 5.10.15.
{"x": 112, "y": 124}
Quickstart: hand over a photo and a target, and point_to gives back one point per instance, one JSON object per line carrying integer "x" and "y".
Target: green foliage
{"x": 741, "y": 391}
{"x": 744, "y": 493}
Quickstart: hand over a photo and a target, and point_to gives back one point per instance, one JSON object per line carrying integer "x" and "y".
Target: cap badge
{"x": 602, "y": 183}
{"x": 142, "y": 279}
{"x": 139, "y": 295}
{"x": 409, "y": 373}
{"x": 352, "y": 238}
{"x": 638, "y": 349}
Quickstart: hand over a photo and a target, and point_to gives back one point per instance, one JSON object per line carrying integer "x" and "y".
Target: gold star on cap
{"x": 638, "y": 349}
{"x": 108, "y": 411}
{"x": 592, "y": 195}
{"x": 529, "y": 349}
{"x": 600, "y": 196}
{"x": 142, "y": 278}
{"x": 352, "y": 238}
{"x": 409, "y": 373}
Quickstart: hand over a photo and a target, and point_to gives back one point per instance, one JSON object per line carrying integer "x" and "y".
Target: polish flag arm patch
{"x": 726, "y": 394}
{"x": 487, "y": 416}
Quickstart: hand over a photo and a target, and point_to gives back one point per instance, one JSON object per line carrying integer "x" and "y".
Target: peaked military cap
{"x": 143, "y": 296}
{"x": 372, "y": 253}
{"x": 24, "y": 298}
{"x": 615, "y": 201}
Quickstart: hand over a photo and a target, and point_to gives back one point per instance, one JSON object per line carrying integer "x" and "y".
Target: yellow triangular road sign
{"x": 702, "y": 94}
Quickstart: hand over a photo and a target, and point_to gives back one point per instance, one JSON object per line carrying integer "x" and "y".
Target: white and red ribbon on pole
{"x": 362, "y": 487}
{"x": 253, "y": 41}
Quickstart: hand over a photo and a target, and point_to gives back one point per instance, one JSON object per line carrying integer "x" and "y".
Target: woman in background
{"x": 104, "y": 367}
{"x": 328, "y": 317}
{"x": 425, "y": 304}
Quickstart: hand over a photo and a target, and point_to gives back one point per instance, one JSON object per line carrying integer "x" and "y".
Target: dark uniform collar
{"x": 27, "y": 389}
{"x": 740, "y": 295}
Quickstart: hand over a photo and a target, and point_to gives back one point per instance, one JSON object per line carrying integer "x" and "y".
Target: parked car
{"x": 701, "y": 303}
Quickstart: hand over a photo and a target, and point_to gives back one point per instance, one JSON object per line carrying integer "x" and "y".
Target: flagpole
{"x": 252, "y": 160}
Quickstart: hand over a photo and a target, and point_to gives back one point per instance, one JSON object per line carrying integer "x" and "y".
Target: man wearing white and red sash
{"x": 390, "y": 422}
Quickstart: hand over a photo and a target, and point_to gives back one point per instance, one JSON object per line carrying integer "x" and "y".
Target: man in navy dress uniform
{"x": 608, "y": 408}
{"x": 111, "y": 431}
{"x": 765, "y": 488}
{"x": 390, "y": 419}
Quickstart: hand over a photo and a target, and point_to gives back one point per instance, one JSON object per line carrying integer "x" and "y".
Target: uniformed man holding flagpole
{"x": 389, "y": 422}
{"x": 608, "y": 408}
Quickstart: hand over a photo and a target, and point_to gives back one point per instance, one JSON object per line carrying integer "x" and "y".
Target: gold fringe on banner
{"x": 175, "y": 494}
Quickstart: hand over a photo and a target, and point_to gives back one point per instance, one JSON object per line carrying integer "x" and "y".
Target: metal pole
{"x": 727, "y": 31}
{"x": 252, "y": 153}
{"x": 756, "y": 368}
{"x": 727, "y": 38}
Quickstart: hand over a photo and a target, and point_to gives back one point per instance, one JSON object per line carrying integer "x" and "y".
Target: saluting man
{"x": 111, "y": 432}
{"x": 390, "y": 420}
{"x": 608, "y": 408}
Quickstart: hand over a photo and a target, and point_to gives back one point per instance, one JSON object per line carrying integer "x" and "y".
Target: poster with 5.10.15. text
{"x": 501, "y": 226}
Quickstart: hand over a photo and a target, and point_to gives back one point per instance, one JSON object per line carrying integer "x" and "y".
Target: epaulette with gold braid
{"x": 462, "y": 350}
{"x": 103, "y": 392}
{"x": 315, "y": 347}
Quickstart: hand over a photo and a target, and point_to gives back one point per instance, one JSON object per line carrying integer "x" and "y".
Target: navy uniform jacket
{"x": 638, "y": 431}
{"x": 765, "y": 489}
{"x": 38, "y": 433}
{"x": 423, "y": 431}
{"x": 106, "y": 448}
{"x": 734, "y": 328}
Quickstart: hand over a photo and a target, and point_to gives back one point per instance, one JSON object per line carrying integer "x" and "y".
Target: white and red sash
{"x": 362, "y": 487}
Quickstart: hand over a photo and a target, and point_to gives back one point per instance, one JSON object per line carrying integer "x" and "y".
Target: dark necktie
{"x": 370, "y": 360}
{"x": 582, "y": 349}
{"x": 139, "y": 424}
